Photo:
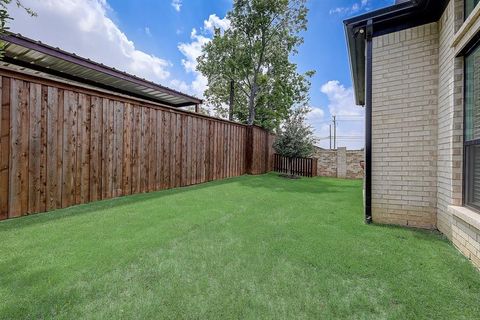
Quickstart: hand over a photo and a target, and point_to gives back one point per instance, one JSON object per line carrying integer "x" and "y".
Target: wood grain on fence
{"x": 61, "y": 146}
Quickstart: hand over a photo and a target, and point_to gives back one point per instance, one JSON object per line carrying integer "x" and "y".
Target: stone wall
{"x": 341, "y": 163}
{"x": 354, "y": 170}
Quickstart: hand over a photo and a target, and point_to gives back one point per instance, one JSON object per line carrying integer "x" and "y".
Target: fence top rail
{"x": 279, "y": 155}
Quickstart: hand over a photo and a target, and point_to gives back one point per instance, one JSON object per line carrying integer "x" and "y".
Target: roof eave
{"x": 386, "y": 20}
{"x": 356, "y": 48}
{"x": 116, "y": 74}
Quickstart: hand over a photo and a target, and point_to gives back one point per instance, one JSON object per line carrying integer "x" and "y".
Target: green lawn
{"x": 258, "y": 247}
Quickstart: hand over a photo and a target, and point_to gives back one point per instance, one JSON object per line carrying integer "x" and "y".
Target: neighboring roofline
{"x": 58, "y": 53}
{"x": 394, "y": 18}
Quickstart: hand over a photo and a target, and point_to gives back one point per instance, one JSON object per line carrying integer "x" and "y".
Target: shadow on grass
{"x": 100, "y": 205}
{"x": 270, "y": 181}
{"x": 421, "y": 234}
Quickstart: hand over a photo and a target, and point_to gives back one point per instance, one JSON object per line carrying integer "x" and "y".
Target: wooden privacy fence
{"x": 62, "y": 145}
{"x": 306, "y": 167}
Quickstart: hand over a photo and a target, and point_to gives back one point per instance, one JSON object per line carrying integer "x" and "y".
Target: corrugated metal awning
{"x": 28, "y": 53}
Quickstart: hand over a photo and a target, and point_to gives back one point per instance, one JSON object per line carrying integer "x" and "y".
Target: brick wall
{"x": 450, "y": 118}
{"x": 404, "y": 121}
{"x": 465, "y": 232}
{"x": 339, "y": 163}
{"x": 454, "y": 221}
{"x": 418, "y": 132}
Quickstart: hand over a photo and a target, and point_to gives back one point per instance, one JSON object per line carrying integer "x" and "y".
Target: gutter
{"x": 368, "y": 122}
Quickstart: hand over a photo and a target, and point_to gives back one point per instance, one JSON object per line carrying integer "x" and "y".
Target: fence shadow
{"x": 101, "y": 205}
{"x": 269, "y": 181}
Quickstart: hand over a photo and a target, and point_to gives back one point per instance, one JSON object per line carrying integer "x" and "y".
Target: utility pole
{"x": 330, "y": 137}
{"x": 335, "y": 132}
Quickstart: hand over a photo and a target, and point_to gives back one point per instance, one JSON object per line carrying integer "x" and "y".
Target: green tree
{"x": 5, "y": 17}
{"x": 295, "y": 138}
{"x": 248, "y": 66}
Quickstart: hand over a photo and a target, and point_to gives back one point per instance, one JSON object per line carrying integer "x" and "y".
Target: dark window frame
{"x": 467, "y": 143}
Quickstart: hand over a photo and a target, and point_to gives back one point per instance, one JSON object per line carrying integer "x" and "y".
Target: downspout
{"x": 368, "y": 122}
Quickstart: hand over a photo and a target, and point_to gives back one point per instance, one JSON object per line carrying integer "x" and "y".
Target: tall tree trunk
{"x": 253, "y": 94}
{"x": 251, "y": 104}
{"x": 232, "y": 98}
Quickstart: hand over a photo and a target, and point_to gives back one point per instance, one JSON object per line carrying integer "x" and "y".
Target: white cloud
{"x": 214, "y": 22}
{"x": 177, "y": 5}
{"x": 316, "y": 117}
{"x": 350, "y": 124}
{"x": 193, "y": 50}
{"x": 354, "y": 8}
{"x": 341, "y": 99}
{"x": 83, "y": 27}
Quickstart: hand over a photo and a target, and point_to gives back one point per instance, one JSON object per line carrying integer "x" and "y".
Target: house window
{"x": 472, "y": 129}
{"x": 469, "y": 6}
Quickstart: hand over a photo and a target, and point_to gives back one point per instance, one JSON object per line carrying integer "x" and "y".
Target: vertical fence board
{"x": 187, "y": 152}
{"x": 84, "y": 148}
{"x": 211, "y": 143}
{"x": 43, "y": 151}
{"x": 195, "y": 138}
{"x": 152, "y": 151}
{"x": 159, "y": 163}
{"x": 18, "y": 189}
{"x": 136, "y": 146}
{"x": 4, "y": 145}
{"x": 127, "y": 149}
{"x": 118, "y": 154}
{"x": 166, "y": 150}
{"x": 203, "y": 144}
{"x": 69, "y": 147}
{"x": 173, "y": 137}
{"x": 143, "y": 151}
{"x": 178, "y": 150}
{"x": 34, "y": 144}
{"x": 96, "y": 130}
{"x": 107, "y": 149}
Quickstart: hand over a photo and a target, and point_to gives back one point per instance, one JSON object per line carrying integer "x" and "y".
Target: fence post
{"x": 249, "y": 151}
{"x": 342, "y": 162}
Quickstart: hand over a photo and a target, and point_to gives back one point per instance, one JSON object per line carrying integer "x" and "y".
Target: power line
{"x": 342, "y": 138}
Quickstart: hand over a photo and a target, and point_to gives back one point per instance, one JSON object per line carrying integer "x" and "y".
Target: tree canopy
{"x": 5, "y": 17}
{"x": 248, "y": 68}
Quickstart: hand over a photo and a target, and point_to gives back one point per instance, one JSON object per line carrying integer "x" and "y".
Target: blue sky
{"x": 160, "y": 39}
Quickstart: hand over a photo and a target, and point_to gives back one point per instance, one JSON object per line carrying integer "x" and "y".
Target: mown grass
{"x": 253, "y": 247}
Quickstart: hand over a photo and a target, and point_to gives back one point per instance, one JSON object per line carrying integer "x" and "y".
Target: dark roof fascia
{"x": 386, "y": 20}
{"x": 87, "y": 63}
